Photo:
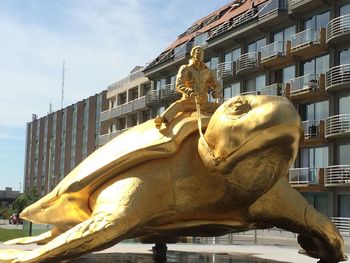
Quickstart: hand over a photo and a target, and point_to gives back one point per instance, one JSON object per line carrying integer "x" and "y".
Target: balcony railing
{"x": 338, "y": 27}
{"x": 342, "y": 224}
{"x": 152, "y": 97}
{"x": 140, "y": 103}
{"x": 272, "y": 6}
{"x": 248, "y": 62}
{"x": 309, "y": 82}
{"x": 312, "y": 37}
{"x": 183, "y": 50}
{"x": 127, "y": 107}
{"x": 338, "y": 77}
{"x": 168, "y": 92}
{"x": 275, "y": 49}
{"x": 303, "y": 176}
{"x": 338, "y": 125}
{"x": 225, "y": 69}
{"x": 276, "y": 89}
{"x": 254, "y": 92}
{"x": 234, "y": 22}
{"x": 337, "y": 175}
{"x": 311, "y": 129}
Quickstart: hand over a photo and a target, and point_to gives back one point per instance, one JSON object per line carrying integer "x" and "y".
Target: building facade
{"x": 299, "y": 49}
{"x": 59, "y": 141}
{"x": 7, "y": 197}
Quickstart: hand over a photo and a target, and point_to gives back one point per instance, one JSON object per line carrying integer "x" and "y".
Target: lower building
{"x": 7, "y": 197}
{"x": 58, "y": 142}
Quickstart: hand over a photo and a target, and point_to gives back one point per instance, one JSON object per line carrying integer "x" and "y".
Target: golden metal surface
{"x": 193, "y": 81}
{"x": 162, "y": 184}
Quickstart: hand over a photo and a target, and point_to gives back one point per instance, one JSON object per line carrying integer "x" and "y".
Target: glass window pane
{"x": 236, "y": 53}
{"x": 288, "y": 32}
{"x": 278, "y": 36}
{"x": 321, "y": 157}
{"x": 322, "y": 20}
{"x": 344, "y": 105}
{"x": 344, "y": 153}
{"x": 252, "y": 47}
{"x": 309, "y": 67}
{"x": 344, "y": 57}
{"x": 321, "y": 203}
{"x": 344, "y": 205}
{"x": 228, "y": 57}
{"x": 260, "y": 82}
{"x": 345, "y": 9}
{"x": 260, "y": 43}
{"x": 250, "y": 85}
{"x": 288, "y": 73}
{"x": 236, "y": 89}
{"x": 321, "y": 110}
{"x": 227, "y": 92}
{"x": 322, "y": 64}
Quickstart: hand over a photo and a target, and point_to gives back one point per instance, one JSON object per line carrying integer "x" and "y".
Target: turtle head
{"x": 245, "y": 126}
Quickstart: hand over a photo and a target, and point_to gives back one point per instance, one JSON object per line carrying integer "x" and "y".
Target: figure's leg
{"x": 284, "y": 207}
{"x": 40, "y": 239}
{"x": 169, "y": 114}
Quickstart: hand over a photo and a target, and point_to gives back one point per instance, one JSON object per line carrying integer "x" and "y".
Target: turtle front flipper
{"x": 40, "y": 239}
{"x": 283, "y": 207}
{"x": 100, "y": 229}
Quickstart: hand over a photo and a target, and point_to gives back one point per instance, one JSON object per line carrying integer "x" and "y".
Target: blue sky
{"x": 100, "y": 40}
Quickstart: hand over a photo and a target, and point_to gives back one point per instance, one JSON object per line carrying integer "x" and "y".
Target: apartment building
{"x": 299, "y": 49}
{"x": 133, "y": 100}
{"x": 59, "y": 141}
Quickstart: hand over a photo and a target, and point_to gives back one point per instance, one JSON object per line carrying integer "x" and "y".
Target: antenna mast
{"x": 62, "y": 94}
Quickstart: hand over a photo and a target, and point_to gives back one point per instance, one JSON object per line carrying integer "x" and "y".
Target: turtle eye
{"x": 237, "y": 108}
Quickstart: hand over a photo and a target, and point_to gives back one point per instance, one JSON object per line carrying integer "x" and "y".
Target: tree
{"x": 25, "y": 199}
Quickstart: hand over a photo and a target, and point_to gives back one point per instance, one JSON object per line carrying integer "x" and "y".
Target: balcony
{"x": 246, "y": 93}
{"x": 310, "y": 178}
{"x": 302, "y": 6}
{"x": 276, "y": 54}
{"x": 103, "y": 139}
{"x": 342, "y": 224}
{"x": 182, "y": 50}
{"x": 125, "y": 108}
{"x": 140, "y": 103}
{"x": 338, "y": 77}
{"x": 314, "y": 132}
{"x": 308, "y": 88}
{"x": 168, "y": 93}
{"x": 277, "y": 89}
{"x": 309, "y": 43}
{"x": 152, "y": 97}
{"x": 226, "y": 70}
{"x": 338, "y": 30}
{"x": 337, "y": 175}
{"x": 338, "y": 126}
{"x": 233, "y": 23}
{"x": 273, "y": 12}
{"x": 248, "y": 63}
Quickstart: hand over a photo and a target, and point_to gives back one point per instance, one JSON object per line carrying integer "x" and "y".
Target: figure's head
{"x": 197, "y": 53}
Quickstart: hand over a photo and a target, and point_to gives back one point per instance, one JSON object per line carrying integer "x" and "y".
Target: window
{"x": 288, "y": 73}
{"x": 344, "y": 205}
{"x": 315, "y": 111}
{"x": 121, "y": 98}
{"x": 212, "y": 63}
{"x": 232, "y": 55}
{"x": 343, "y": 154}
{"x": 285, "y": 34}
{"x": 255, "y": 84}
{"x": 344, "y": 10}
{"x": 160, "y": 83}
{"x": 344, "y": 105}
{"x": 232, "y": 90}
{"x": 344, "y": 56}
{"x": 316, "y": 65}
{"x": 256, "y": 46}
{"x": 314, "y": 157}
{"x": 317, "y": 21}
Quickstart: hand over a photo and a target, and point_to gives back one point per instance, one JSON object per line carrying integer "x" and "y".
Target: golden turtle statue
{"x": 172, "y": 182}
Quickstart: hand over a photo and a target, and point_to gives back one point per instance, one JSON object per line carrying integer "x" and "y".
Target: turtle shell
{"x": 137, "y": 145}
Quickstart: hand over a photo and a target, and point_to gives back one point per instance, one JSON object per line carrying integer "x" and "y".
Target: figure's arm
{"x": 216, "y": 86}
{"x": 181, "y": 85}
